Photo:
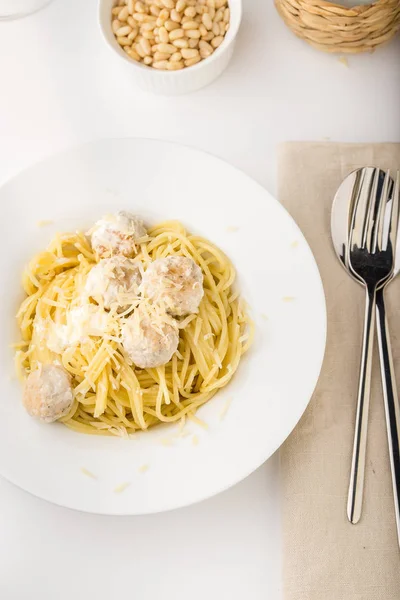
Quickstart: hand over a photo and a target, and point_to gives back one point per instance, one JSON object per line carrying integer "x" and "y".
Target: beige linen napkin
{"x": 325, "y": 557}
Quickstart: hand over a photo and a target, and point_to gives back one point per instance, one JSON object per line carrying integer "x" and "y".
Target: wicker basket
{"x": 334, "y": 28}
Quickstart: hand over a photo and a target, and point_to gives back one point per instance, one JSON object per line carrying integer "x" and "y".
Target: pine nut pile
{"x": 170, "y": 34}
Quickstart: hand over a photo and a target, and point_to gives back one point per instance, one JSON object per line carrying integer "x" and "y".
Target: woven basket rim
{"x": 333, "y": 27}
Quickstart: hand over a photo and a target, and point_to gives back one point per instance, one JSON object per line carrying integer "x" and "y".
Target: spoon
{"x": 342, "y": 212}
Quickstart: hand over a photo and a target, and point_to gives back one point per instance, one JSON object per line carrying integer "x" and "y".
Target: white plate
{"x": 275, "y": 380}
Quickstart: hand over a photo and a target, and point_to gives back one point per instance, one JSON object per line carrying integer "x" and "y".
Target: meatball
{"x": 177, "y": 282}
{"x": 117, "y": 234}
{"x": 48, "y": 393}
{"x": 116, "y": 280}
{"x": 149, "y": 338}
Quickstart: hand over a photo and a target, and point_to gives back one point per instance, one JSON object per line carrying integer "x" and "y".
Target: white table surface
{"x": 60, "y": 86}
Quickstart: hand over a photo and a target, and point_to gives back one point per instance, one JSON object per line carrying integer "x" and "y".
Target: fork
{"x": 390, "y": 397}
{"x": 372, "y": 245}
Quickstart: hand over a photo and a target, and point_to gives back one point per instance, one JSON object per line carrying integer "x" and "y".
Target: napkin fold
{"x": 324, "y": 556}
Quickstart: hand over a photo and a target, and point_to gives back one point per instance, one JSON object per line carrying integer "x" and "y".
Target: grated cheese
{"x": 44, "y": 223}
{"x": 225, "y": 408}
{"x": 88, "y": 473}
{"x": 122, "y": 487}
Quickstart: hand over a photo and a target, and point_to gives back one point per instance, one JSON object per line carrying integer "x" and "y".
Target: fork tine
{"x": 377, "y": 242}
{"x": 371, "y": 213}
{"x": 394, "y": 214}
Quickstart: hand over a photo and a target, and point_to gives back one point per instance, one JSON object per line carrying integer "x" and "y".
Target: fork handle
{"x": 390, "y": 398}
{"x": 356, "y": 487}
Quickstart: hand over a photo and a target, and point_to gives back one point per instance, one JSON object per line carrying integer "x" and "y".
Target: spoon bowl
{"x": 342, "y": 211}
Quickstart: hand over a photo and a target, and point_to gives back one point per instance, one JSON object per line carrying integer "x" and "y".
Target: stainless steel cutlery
{"x": 364, "y": 230}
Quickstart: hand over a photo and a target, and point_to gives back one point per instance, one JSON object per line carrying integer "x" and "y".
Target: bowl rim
{"x": 228, "y": 40}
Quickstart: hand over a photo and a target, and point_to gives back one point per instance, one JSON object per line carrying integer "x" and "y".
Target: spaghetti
{"x": 111, "y": 395}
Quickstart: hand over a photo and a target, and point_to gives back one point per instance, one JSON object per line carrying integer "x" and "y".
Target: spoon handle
{"x": 390, "y": 398}
{"x": 356, "y": 488}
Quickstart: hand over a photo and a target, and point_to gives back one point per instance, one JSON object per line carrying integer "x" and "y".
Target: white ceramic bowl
{"x": 174, "y": 82}
{"x": 274, "y": 381}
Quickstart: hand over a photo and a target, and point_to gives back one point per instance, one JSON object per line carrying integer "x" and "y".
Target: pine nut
{"x": 176, "y": 16}
{"x": 193, "y": 33}
{"x": 133, "y": 54}
{"x": 132, "y": 22}
{"x": 217, "y": 41}
{"x": 148, "y": 26}
{"x": 211, "y": 12}
{"x": 202, "y": 30}
{"x": 190, "y": 25}
{"x": 123, "y": 41}
{"x": 185, "y": 19}
{"x": 176, "y": 34}
{"x": 133, "y": 34}
{"x": 164, "y": 14}
{"x": 169, "y": 3}
{"x": 116, "y": 10}
{"x": 176, "y": 57}
{"x": 161, "y": 56}
{"x": 192, "y": 61}
{"x": 131, "y": 5}
{"x": 208, "y": 37}
{"x": 155, "y": 10}
{"x": 227, "y": 15}
{"x": 139, "y": 7}
{"x": 124, "y": 14}
{"x": 115, "y": 25}
{"x": 181, "y": 43}
{"x": 190, "y": 11}
{"x": 189, "y": 52}
{"x": 215, "y": 28}
{"x": 167, "y": 48}
{"x": 193, "y": 43}
{"x": 211, "y": 3}
{"x": 205, "y": 53}
{"x": 139, "y": 17}
{"x": 146, "y": 46}
{"x": 171, "y": 25}
{"x": 175, "y": 66}
{"x": 219, "y": 15}
{"x": 207, "y": 21}
{"x": 163, "y": 35}
{"x": 203, "y": 45}
{"x": 180, "y": 5}
{"x": 161, "y": 64}
{"x": 220, "y": 3}
{"x": 226, "y": 27}
{"x": 148, "y": 35}
{"x": 139, "y": 50}
{"x": 222, "y": 29}
{"x": 122, "y": 31}
{"x": 148, "y": 60}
